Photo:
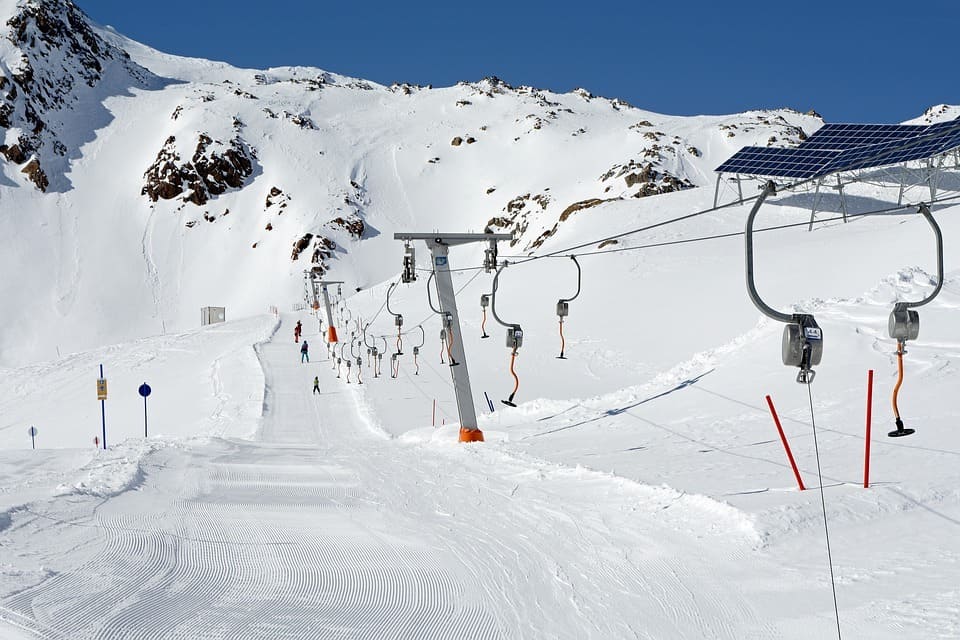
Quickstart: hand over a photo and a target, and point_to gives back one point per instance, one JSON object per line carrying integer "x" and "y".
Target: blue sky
{"x": 852, "y": 61}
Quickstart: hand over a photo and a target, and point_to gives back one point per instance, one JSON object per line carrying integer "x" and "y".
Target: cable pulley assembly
{"x": 563, "y": 309}
{"x": 490, "y": 257}
{"x": 514, "y": 337}
{"x": 409, "y": 264}
{"x": 904, "y": 323}
{"x": 802, "y": 344}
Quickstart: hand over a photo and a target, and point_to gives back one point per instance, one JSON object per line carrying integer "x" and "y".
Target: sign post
{"x": 33, "y": 436}
{"x": 102, "y": 397}
{"x": 144, "y": 391}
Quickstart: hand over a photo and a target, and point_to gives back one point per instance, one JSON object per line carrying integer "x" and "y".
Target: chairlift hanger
{"x": 563, "y": 308}
{"x": 904, "y": 322}
{"x": 802, "y": 344}
{"x": 514, "y": 336}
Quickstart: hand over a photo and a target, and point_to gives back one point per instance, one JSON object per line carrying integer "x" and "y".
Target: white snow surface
{"x": 638, "y": 490}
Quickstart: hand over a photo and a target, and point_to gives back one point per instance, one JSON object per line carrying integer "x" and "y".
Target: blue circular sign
{"x": 145, "y": 389}
{"x": 33, "y": 431}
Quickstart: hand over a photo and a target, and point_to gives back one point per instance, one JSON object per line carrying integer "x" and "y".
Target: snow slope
{"x": 638, "y": 490}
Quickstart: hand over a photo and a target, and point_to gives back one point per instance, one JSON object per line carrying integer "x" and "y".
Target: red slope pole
{"x": 866, "y": 452}
{"x": 783, "y": 438}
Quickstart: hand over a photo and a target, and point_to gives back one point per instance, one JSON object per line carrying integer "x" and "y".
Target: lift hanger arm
{"x": 924, "y": 210}
{"x": 493, "y": 300}
{"x": 389, "y": 291}
{"x": 430, "y": 298}
{"x": 423, "y": 336}
{"x": 579, "y": 274}
{"x": 768, "y": 190}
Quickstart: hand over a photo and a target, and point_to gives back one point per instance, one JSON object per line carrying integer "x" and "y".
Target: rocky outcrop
{"x": 353, "y": 225}
{"x": 36, "y": 174}
{"x": 213, "y": 168}
{"x": 647, "y": 178}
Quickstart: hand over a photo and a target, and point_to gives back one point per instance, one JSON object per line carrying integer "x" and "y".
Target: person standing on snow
{"x": 316, "y": 384}
{"x": 297, "y": 330}
{"x": 305, "y": 352}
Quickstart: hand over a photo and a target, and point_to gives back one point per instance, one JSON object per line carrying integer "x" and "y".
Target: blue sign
{"x": 441, "y": 261}
{"x": 33, "y": 432}
{"x": 145, "y": 390}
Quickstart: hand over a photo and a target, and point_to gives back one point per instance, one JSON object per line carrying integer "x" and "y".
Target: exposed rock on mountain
{"x": 212, "y": 169}
{"x": 61, "y": 63}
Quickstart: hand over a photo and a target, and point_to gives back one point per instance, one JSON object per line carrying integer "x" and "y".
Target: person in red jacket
{"x": 297, "y": 330}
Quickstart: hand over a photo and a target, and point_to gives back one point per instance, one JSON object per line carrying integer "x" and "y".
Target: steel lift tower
{"x": 318, "y": 287}
{"x": 439, "y": 245}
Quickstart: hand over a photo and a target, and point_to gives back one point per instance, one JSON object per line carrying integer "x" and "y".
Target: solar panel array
{"x": 845, "y": 147}
{"x": 848, "y": 136}
{"x": 771, "y": 161}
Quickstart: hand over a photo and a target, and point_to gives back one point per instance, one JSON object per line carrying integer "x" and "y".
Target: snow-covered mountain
{"x": 638, "y": 490}
{"x": 164, "y": 184}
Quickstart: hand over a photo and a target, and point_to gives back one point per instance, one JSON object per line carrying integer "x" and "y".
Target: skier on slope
{"x": 316, "y": 384}
{"x": 305, "y": 352}
{"x": 297, "y": 330}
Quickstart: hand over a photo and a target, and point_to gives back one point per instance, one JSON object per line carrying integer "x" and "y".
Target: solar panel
{"x": 777, "y": 162}
{"x": 941, "y": 139}
{"x": 845, "y": 147}
{"x": 849, "y": 136}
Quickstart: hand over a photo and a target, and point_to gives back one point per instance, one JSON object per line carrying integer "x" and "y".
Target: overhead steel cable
{"x": 519, "y": 260}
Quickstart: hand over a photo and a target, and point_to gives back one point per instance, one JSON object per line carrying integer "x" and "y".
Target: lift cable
{"x": 823, "y": 505}
{"x": 563, "y": 253}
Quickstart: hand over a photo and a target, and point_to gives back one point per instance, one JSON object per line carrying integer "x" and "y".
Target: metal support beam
{"x": 716, "y": 192}
{"x": 739, "y": 189}
{"x": 816, "y": 203}
{"x": 319, "y": 287}
{"x": 843, "y": 200}
{"x": 439, "y": 245}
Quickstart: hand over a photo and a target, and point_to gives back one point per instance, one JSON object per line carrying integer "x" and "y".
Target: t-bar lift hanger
{"x": 514, "y": 336}
{"x": 904, "y": 322}
{"x": 563, "y": 308}
{"x": 398, "y": 319}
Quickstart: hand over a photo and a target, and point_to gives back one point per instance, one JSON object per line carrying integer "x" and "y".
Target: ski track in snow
{"x": 322, "y": 528}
